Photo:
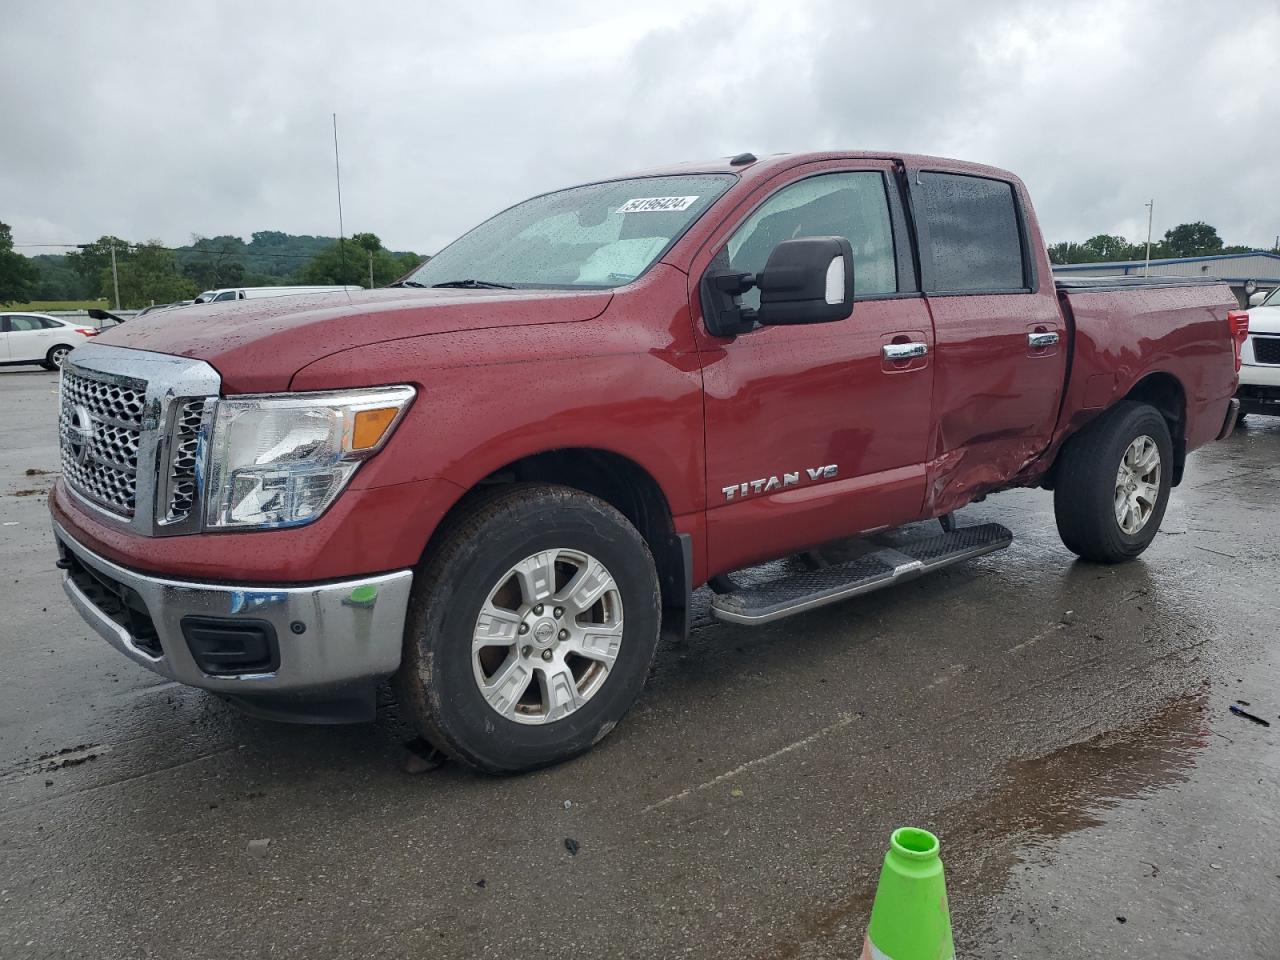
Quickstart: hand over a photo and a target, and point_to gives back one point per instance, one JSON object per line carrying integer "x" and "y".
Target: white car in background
{"x": 39, "y": 338}
{"x": 1259, "y": 390}
{"x": 253, "y": 293}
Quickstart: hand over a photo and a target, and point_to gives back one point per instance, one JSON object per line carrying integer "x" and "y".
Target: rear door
{"x": 811, "y": 433}
{"x": 1000, "y": 348}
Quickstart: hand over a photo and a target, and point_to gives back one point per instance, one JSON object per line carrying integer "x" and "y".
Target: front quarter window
{"x": 598, "y": 235}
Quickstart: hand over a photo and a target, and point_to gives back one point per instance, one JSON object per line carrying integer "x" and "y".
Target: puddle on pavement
{"x": 1038, "y": 801}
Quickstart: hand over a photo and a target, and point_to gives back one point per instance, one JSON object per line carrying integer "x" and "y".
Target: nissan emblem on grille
{"x": 80, "y": 433}
{"x": 100, "y": 427}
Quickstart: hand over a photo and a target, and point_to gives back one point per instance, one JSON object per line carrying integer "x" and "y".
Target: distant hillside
{"x": 269, "y": 253}
{"x": 151, "y": 272}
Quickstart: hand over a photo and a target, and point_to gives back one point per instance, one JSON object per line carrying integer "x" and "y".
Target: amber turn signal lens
{"x": 370, "y": 425}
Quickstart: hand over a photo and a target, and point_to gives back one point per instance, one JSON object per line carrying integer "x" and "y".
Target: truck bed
{"x": 1126, "y": 329}
{"x": 1105, "y": 284}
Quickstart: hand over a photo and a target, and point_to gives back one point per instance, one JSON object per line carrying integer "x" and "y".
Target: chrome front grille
{"x": 184, "y": 461}
{"x": 100, "y": 432}
{"x": 133, "y": 427}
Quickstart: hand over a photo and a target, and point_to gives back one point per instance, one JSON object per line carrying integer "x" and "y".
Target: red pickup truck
{"x": 500, "y": 482}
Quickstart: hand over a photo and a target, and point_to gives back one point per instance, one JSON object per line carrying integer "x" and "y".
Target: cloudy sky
{"x": 160, "y": 120}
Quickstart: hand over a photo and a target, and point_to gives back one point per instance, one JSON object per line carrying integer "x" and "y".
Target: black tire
{"x": 53, "y": 359}
{"x": 1085, "y": 486}
{"x": 436, "y": 684}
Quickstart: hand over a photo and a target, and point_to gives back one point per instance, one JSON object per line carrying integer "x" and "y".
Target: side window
{"x": 852, "y": 205}
{"x": 974, "y": 243}
{"x": 20, "y": 323}
{"x": 226, "y": 295}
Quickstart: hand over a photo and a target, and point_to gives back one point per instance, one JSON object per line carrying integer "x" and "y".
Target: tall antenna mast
{"x": 337, "y": 173}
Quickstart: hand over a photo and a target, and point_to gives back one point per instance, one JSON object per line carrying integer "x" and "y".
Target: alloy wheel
{"x": 547, "y": 636}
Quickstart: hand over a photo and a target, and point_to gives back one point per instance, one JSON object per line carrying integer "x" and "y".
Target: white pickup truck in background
{"x": 1259, "y": 390}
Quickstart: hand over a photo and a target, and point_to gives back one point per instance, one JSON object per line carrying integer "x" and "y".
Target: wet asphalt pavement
{"x": 1064, "y": 728}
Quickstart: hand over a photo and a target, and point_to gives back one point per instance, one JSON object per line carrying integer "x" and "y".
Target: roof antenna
{"x": 742, "y": 159}
{"x": 337, "y": 173}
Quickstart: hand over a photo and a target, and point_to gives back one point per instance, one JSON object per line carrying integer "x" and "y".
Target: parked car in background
{"x": 39, "y": 338}
{"x": 500, "y": 481}
{"x": 253, "y": 293}
{"x": 157, "y": 307}
{"x": 1259, "y": 390}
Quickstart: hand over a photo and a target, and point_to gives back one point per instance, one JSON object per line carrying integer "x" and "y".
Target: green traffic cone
{"x": 910, "y": 919}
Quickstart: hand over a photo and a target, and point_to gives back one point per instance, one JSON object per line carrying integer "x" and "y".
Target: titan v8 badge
{"x": 790, "y": 479}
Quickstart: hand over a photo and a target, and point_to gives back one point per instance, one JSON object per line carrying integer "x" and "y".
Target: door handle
{"x": 1038, "y": 341}
{"x": 904, "y": 351}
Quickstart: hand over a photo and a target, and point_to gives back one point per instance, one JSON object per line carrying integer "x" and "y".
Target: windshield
{"x": 599, "y": 235}
{"x": 1272, "y": 299}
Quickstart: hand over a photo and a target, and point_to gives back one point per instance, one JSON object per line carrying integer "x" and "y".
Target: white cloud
{"x": 159, "y": 120}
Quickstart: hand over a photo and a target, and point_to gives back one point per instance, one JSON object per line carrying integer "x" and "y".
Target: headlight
{"x": 280, "y": 460}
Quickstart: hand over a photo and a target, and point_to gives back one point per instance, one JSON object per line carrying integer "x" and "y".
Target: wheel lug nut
{"x": 524, "y": 628}
{"x": 546, "y": 654}
{"x": 559, "y": 612}
{"x": 564, "y": 634}
{"x": 525, "y": 651}
{"x": 537, "y": 609}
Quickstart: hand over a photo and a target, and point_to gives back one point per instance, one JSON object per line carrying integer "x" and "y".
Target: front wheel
{"x": 1112, "y": 484}
{"x": 531, "y": 629}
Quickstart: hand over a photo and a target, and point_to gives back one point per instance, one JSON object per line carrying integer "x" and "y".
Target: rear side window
{"x": 974, "y": 243}
{"x": 21, "y": 323}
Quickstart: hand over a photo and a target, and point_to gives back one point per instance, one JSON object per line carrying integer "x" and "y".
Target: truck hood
{"x": 258, "y": 345}
{"x": 1264, "y": 319}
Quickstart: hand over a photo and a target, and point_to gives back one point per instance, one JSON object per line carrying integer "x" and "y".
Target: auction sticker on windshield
{"x": 656, "y": 204}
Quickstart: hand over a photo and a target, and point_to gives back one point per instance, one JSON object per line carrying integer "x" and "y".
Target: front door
{"x": 29, "y": 338}
{"x": 812, "y": 434}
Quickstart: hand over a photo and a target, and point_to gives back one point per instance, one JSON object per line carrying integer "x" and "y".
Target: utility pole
{"x": 1151, "y": 209}
{"x": 115, "y": 277}
{"x": 370, "y": 269}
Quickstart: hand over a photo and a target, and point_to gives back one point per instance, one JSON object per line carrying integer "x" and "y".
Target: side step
{"x": 765, "y": 602}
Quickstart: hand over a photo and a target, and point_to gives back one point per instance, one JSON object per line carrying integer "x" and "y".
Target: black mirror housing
{"x": 809, "y": 280}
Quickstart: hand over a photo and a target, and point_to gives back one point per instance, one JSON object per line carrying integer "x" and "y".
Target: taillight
{"x": 1238, "y": 323}
{"x": 88, "y": 331}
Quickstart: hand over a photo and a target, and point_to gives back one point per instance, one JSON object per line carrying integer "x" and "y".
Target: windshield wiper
{"x": 474, "y": 285}
{"x": 408, "y": 283}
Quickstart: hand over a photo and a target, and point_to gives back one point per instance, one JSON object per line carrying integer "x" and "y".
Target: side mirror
{"x": 1258, "y": 297}
{"x": 806, "y": 281}
{"x": 809, "y": 280}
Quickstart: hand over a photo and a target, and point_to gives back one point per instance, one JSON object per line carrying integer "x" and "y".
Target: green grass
{"x": 44, "y": 306}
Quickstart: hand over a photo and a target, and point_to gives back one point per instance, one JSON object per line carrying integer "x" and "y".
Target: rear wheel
{"x": 1112, "y": 484}
{"x": 54, "y": 358}
{"x": 531, "y": 629}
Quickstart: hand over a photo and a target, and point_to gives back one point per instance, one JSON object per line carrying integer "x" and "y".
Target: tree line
{"x": 150, "y": 272}
{"x": 153, "y": 273}
{"x": 1197, "y": 239}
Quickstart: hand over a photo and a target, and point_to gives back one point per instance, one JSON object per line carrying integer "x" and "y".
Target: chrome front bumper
{"x": 335, "y": 640}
